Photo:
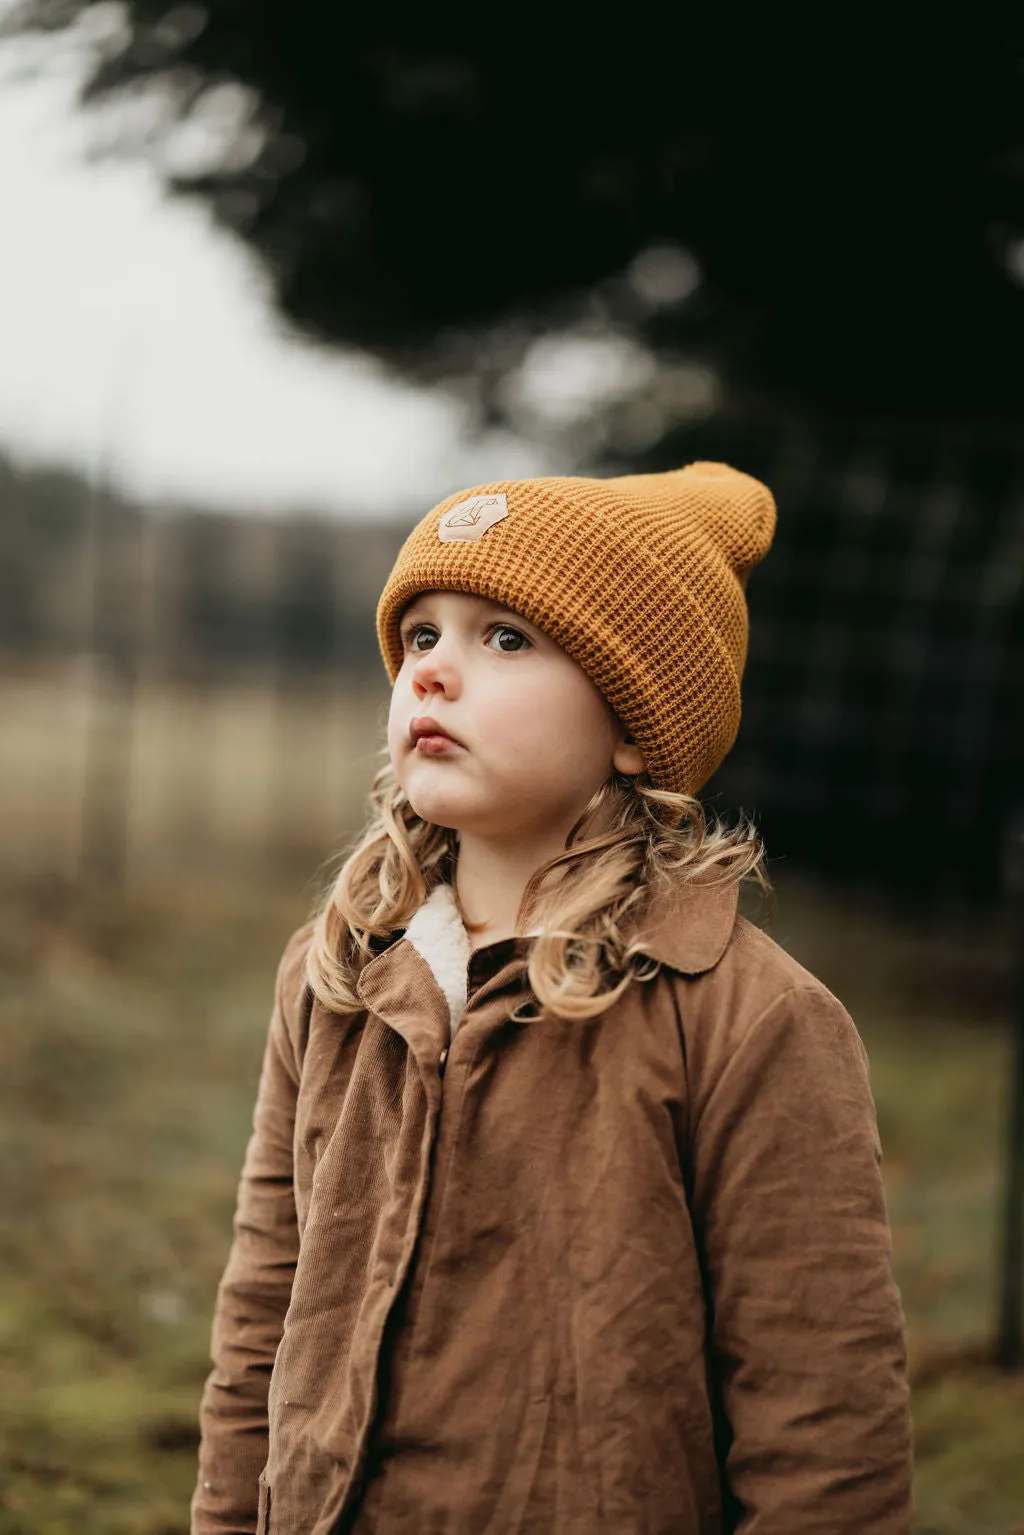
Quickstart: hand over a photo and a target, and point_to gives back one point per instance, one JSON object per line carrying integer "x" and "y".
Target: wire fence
{"x": 883, "y": 733}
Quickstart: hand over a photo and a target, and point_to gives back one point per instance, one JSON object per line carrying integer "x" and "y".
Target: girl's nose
{"x": 435, "y": 672}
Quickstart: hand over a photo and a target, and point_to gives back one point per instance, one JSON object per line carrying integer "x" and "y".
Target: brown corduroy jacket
{"x": 631, "y": 1274}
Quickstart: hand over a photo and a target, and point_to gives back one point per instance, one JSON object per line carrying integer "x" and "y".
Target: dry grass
{"x": 235, "y": 774}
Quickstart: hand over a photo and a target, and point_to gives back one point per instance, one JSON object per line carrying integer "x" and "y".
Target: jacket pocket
{"x": 263, "y": 1510}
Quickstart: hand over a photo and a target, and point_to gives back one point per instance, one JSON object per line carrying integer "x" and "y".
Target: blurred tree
{"x": 435, "y": 188}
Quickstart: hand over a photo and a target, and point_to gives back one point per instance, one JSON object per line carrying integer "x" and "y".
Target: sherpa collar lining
{"x": 438, "y": 934}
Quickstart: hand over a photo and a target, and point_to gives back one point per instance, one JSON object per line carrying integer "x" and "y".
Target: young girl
{"x": 562, "y": 1212}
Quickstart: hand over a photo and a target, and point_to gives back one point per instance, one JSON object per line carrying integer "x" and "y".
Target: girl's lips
{"x": 435, "y": 745}
{"x": 425, "y": 728}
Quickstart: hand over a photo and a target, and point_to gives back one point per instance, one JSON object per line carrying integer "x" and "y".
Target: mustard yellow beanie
{"x": 640, "y": 579}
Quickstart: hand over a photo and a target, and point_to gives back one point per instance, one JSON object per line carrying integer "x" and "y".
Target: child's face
{"x": 533, "y": 736}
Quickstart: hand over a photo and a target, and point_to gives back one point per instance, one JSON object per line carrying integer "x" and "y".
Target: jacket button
{"x": 442, "y": 1058}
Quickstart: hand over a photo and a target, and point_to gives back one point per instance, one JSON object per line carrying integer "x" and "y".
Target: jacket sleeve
{"x": 255, "y": 1288}
{"x": 805, "y": 1323}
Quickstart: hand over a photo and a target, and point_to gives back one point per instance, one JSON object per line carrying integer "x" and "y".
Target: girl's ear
{"x": 627, "y": 757}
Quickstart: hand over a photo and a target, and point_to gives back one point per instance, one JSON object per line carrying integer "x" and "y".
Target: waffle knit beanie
{"x": 639, "y": 579}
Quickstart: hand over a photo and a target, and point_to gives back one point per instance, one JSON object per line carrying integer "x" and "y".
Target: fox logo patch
{"x": 470, "y": 519}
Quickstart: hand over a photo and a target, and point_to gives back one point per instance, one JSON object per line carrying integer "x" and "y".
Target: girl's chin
{"x": 441, "y": 809}
{"x": 454, "y": 813}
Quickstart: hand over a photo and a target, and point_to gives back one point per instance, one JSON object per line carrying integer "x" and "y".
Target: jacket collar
{"x": 688, "y": 923}
{"x": 684, "y": 924}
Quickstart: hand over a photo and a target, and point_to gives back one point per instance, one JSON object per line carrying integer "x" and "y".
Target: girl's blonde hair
{"x": 585, "y": 901}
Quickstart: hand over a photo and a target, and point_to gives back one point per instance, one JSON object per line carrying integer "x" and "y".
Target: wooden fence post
{"x": 106, "y": 778}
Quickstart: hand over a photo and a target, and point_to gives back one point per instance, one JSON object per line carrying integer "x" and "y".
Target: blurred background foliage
{"x": 441, "y": 188}
{"x": 634, "y": 245}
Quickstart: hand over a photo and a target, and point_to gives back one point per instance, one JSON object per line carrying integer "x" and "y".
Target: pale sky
{"x": 138, "y": 341}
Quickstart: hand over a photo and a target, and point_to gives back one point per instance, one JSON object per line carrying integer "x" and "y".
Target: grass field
{"x": 132, "y": 1034}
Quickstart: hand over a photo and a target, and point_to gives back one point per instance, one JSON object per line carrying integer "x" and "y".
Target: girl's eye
{"x": 412, "y": 634}
{"x": 505, "y": 630}
{"x": 416, "y": 632}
